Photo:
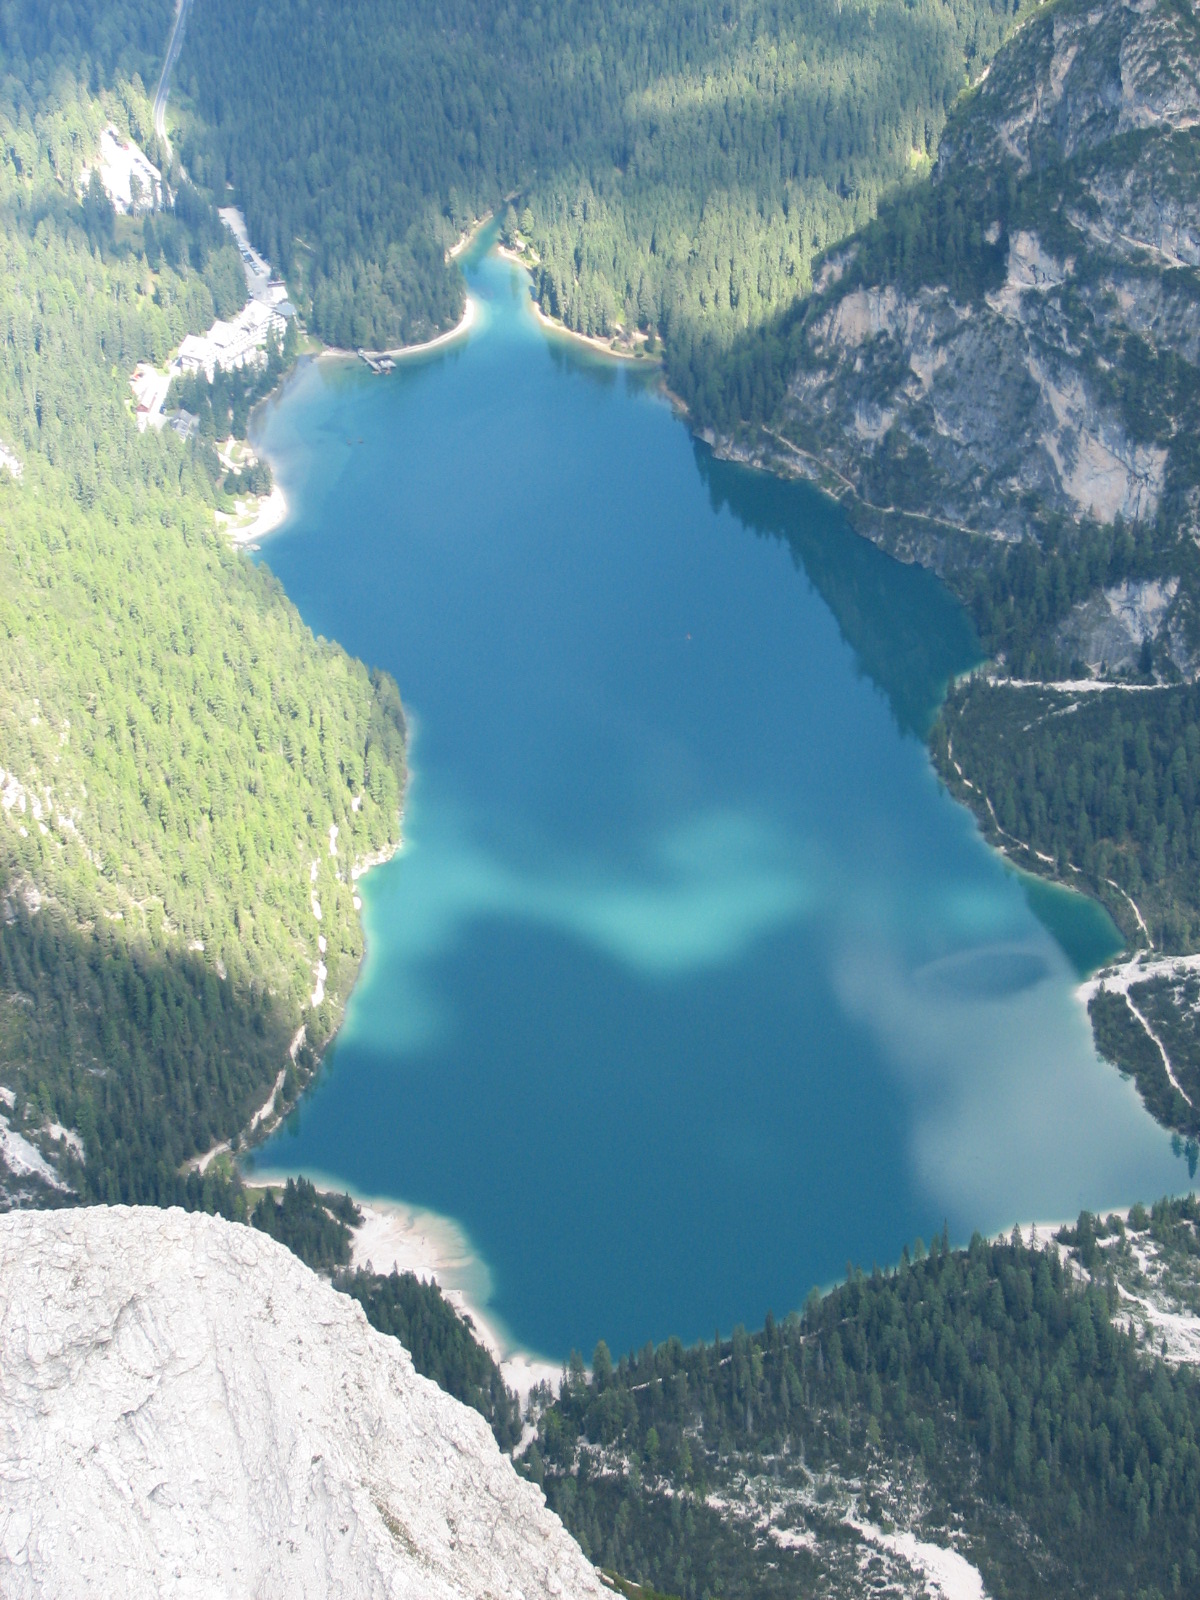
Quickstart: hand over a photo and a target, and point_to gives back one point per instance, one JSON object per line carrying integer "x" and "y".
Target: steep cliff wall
{"x": 186, "y": 1409}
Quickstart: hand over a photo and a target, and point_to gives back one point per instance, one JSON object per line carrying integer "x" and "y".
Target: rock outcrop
{"x": 1015, "y": 345}
{"x": 186, "y": 1409}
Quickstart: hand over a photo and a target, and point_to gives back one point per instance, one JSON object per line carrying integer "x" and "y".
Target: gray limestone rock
{"x": 186, "y": 1409}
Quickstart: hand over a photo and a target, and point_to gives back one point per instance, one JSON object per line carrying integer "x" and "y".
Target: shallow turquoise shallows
{"x": 691, "y": 983}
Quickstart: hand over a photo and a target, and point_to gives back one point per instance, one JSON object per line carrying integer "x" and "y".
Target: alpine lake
{"x": 691, "y": 984}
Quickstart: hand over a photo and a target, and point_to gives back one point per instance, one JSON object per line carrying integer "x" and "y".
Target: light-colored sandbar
{"x": 271, "y": 514}
{"x": 462, "y": 326}
{"x": 432, "y": 1248}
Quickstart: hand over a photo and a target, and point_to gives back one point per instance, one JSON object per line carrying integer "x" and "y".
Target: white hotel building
{"x": 229, "y": 345}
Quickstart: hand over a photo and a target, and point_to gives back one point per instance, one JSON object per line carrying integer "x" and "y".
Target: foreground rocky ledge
{"x": 186, "y": 1409}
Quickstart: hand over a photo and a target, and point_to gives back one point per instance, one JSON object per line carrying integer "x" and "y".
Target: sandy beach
{"x": 552, "y": 325}
{"x": 601, "y": 346}
{"x": 271, "y": 514}
{"x": 433, "y": 1248}
{"x": 462, "y": 326}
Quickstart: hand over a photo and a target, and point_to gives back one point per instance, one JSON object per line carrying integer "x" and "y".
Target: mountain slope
{"x": 1015, "y": 347}
{"x": 1000, "y": 377}
{"x": 187, "y": 777}
{"x": 187, "y": 1409}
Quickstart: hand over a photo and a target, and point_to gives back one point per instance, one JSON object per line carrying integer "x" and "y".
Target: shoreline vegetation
{"x": 468, "y": 236}
{"x": 401, "y": 352}
{"x": 394, "y": 1237}
{"x": 622, "y": 346}
{"x": 1143, "y": 1003}
{"x": 957, "y": 1411}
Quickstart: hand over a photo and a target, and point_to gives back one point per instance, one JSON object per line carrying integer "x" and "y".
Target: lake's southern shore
{"x": 393, "y": 1236}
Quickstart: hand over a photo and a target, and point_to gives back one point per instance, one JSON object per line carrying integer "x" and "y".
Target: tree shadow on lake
{"x": 908, "y": 633}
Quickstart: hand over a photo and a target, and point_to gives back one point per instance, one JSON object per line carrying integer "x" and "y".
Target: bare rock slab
{"x": 187, "y": 1410}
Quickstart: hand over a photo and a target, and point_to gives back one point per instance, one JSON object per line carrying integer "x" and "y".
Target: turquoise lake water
{"x": 691, "y": 983}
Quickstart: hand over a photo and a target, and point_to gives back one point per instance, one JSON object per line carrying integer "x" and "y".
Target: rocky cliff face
{"x": 186, "y": 1409}
{"x": 1016, "y": 345}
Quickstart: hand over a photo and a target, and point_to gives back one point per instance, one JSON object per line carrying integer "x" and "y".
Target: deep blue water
{"x": 691, "y": 984}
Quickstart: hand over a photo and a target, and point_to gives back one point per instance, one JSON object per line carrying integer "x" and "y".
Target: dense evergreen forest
{"x": 1104, "y": 785}
{"x": 674, "y": 166}
{"x": 996, "y": 1390}
{"x": 313, "y": 1225}
{"x": 175, "y": 745}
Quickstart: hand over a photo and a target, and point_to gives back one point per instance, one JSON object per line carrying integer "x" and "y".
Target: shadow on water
{"x": 908, "y": 633}
{"x": 1087, "y": 935}
{"x": 909, "y": 636}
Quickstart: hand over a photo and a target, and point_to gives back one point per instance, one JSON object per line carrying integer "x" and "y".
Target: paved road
{"x": 164, "y": 83}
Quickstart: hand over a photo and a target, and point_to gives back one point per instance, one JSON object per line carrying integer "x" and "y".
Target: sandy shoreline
{"x": 432, "y": 1247}
{"x": 593, "y": 341}
{"x": 602, "y": 347}
{"x": 271, "y": 515}
{"x": 464, "y": 325}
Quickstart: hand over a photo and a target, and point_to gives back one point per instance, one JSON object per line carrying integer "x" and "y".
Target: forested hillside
{"x": 992, "y": 1401}
{"x": 175, "y": 747}
{"x": 676, "y": 165}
